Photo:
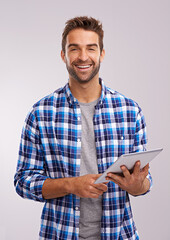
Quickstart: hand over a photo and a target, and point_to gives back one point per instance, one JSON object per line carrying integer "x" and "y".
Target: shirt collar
{"x": 73, "y": 101}
{"x": 103, "y": 94}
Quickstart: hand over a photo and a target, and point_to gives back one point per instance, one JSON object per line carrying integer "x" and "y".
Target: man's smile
{"x": 83, "y": 67}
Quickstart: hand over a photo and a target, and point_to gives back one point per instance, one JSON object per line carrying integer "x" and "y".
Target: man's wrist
{"x": 68, "y": 185}
{"x": 144, "y": 189}
{"x": 54, "y": 188}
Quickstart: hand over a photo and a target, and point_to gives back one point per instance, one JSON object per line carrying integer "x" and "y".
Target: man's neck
{"x": 85, "y": 92}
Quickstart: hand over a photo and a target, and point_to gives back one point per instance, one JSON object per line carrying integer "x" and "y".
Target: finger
{"x": 114, "y": 177}
{"x": 98, "y": 192}
{"x": 136, "y": 170}
{"x": 93, "y": 195}
{"x": 126, "y": 172}
{"x": 145, "y": 170}
{"x": 96, "y": 176}
{"x": 101, "y": 186}
{"x": 113, "y": 180}
{"x": 88, "y": 194}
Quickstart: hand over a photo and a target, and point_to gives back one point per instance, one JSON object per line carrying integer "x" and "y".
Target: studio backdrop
{"x": 137, "y": 64}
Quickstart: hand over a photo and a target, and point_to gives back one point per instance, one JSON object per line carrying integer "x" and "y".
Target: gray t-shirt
{"x": 90, "y": 208}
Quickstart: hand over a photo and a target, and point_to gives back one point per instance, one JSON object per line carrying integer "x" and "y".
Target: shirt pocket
{"x": 122, "y": 143}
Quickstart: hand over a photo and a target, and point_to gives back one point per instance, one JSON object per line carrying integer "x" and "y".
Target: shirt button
{"x": 78, "y": 140}
{"x": 78, "y": 118}
{"x": 76, "y": 208}
{"x": 122, "y": 137}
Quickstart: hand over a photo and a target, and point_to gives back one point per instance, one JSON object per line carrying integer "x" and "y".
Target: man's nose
{"x": 83, "y": 55}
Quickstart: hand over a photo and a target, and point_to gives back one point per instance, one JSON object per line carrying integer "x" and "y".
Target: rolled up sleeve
{"x": 30, "y": 174}
{"x": 141, "y": 140}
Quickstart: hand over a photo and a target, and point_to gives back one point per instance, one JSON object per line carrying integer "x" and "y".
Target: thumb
{"x": 96, "y": 176}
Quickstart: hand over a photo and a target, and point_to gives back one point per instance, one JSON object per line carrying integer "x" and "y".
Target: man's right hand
{"x": 85, "y": 187}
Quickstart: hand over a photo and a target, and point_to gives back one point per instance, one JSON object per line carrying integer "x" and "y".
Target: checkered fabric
{"x": 51, "y": 148}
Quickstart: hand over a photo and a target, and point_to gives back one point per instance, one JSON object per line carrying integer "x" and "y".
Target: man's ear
{"x": 63, "y": 56}
{"x": 102, "y": 55}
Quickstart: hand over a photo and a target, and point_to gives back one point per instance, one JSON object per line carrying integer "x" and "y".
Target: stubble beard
{"x": 74, "y": 75}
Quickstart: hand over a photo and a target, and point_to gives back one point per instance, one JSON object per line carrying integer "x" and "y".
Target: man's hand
{"x": 81, "y": 186}
{"x": 85, "y": 187}
{"x": 135, "y": 183}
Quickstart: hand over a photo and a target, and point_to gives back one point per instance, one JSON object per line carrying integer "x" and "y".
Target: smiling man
{"x": 72, "y": 136}
{"x": 82, "y": 55}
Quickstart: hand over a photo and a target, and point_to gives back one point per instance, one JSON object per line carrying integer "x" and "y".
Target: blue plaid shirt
{"x": 51, "y": 148}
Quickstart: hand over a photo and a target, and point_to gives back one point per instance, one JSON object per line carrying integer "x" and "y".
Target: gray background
{"x": 137, "y": 44}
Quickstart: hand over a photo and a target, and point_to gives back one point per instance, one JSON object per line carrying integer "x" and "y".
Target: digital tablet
{"x": 129, "y": 161}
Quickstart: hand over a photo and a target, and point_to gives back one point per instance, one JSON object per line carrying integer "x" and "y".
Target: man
{"x": 72, "y": 136}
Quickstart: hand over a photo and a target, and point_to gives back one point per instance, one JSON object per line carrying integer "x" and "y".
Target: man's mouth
{"x": 83, "y": 67}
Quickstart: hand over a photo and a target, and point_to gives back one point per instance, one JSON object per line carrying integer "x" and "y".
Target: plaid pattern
{"x": 51, "y": 148}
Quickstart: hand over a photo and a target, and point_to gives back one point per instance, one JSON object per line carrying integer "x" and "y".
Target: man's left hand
{"x": 134, "y": 183}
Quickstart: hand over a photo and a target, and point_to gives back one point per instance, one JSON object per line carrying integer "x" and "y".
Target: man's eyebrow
{"x": 76, "y": 45}
{"x": 72, "y": 45}
{"x": 92, "y": 45}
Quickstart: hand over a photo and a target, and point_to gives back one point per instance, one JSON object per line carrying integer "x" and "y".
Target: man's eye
{"x": 73, "y": 49}
{"x": 91, "y": 49}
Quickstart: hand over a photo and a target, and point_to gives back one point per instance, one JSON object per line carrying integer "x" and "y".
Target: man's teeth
{"x": 87, "y": 66}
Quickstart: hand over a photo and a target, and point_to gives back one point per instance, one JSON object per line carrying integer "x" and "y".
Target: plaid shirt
{"x": 51, "y": 148}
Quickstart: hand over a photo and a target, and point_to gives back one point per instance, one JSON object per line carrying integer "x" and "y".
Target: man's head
{"x": 82, "y": 48}
{"x": 86, "y": 23}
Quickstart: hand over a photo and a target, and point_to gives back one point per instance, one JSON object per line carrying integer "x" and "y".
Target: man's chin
{"x": 83, "y": 81}
{"x": 83, "y": 78}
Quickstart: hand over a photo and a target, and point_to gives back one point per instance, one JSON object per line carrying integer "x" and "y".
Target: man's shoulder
{"x": 46, "y": 106}
{"x": 120, "y": 99}
{"x": 50, "y": 99}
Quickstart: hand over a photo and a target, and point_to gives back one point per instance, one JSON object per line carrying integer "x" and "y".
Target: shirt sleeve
{"x": 141, "y": 139}
{"x": 30, "y": 174}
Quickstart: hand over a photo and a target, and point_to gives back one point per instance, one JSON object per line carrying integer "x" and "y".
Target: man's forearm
{"x": 82, "y": 186}
{"x": 55, "y": 188}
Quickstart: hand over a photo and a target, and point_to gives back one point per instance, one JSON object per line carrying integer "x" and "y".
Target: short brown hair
{"x": 86, "y": 23}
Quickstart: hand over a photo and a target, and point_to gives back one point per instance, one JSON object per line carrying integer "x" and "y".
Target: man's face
{"x": 82, "y": 55}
